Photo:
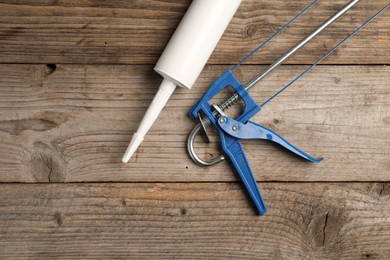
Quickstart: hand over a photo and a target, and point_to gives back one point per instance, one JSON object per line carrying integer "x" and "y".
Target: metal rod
{"x": 275, "y": 34}
{"x": 300, "y": 44}
{"x": 326, "y": 55}
{"x": 229, "y": 102}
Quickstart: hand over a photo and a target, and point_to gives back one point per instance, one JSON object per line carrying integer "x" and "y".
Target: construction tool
{"x": 231, "y": 131}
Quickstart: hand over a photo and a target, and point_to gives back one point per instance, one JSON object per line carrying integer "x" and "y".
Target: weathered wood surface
{"x": 71, "y": 122}
{"x": 135, "y": 32}
{"x": 74, "y": 123}
{"x": 215, "y": 220}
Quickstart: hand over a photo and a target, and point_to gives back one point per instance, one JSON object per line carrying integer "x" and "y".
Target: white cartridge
{"x": 195, "y": 39}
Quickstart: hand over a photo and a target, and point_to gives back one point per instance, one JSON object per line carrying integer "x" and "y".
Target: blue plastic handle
{"x": 252, "y": 130}
{"x": 234, "y": 150}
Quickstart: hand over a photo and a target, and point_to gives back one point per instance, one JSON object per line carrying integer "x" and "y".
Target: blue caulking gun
{"x": 231, "y": 131}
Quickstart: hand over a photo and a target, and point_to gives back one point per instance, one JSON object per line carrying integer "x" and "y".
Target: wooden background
{"x": 76, "y": 78}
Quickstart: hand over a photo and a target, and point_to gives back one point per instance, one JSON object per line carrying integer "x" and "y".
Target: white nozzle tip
{"x": 135, "y": 142}
{"x": 160, "y": 99}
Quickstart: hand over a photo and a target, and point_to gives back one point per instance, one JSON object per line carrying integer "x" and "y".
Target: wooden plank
{"x": 73, "y": 124}
{"x": 304, "y": 221}
{"x": 136, "y": 32}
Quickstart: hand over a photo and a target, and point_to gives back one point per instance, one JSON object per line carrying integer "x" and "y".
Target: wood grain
{"x": 136, "y": 32}
{"x": 215, "y": 220}
{"x": 76, "y": 79}
{"x": 72, "y": 124}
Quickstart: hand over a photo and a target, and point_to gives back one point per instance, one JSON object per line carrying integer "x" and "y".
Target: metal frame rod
{"x": 230, "y": 101}
{"x": 300, "y": 44}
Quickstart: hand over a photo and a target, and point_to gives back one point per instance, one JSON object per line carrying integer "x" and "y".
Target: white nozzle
{"x": 160, "y": 99}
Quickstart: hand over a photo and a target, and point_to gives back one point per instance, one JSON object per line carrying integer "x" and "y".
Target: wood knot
{"x": 15, "y": 127}
{"x": 40, "y": 74}
{"x": 250, "y": 31}
{"x": 370, "y": 255}
{"x": 324, "y": 227}
{"x": 50, "y": 68}
{"x": 384, "y": 189}
{"x": 45, "y": 163}
{"x": 59, "y": 218}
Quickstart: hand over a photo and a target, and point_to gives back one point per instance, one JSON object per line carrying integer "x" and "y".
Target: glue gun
{"x": 231, "y": 131}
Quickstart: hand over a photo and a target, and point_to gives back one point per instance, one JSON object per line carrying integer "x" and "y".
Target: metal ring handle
{"x": 192, "y": 153}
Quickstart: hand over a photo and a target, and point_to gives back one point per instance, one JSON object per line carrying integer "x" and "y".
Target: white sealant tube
{"x": 185, "y": 56}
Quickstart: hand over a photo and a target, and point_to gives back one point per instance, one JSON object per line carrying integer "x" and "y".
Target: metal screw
{"x": 235, "y": 128}
{"x": 222, "y": 120}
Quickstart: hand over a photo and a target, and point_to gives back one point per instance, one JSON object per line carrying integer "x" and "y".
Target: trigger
{"x": 252, "y": 130}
